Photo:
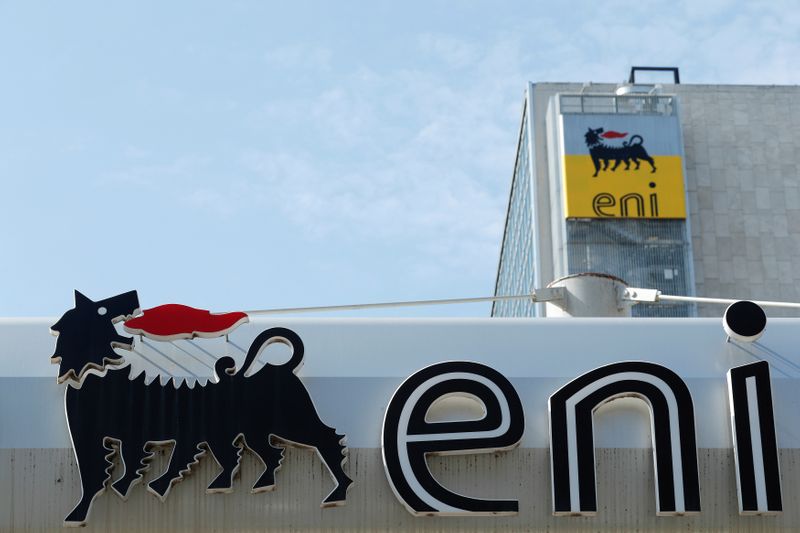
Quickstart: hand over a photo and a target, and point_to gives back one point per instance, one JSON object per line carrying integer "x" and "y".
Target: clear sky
{"x": 246, "y": 155}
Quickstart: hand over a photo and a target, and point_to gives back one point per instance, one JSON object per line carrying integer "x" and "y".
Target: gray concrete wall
{"x": 742, "y": 146}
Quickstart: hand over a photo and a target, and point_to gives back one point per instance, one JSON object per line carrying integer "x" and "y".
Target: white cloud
{"x": 452, "y": 51}
{"x": 299, "y": 57}
{"x": 157, "y": 176}
{"x": 132, "y": 151}
{"x": 405, "y": 155}
{"x": 345, "y": 115}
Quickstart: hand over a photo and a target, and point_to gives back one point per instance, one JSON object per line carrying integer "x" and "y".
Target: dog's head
{"x": 593, "y": 136}
{"x": 87, "y": 337}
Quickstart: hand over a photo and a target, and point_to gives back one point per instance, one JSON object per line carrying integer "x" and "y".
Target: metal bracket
{"x": 636, "y": 295}
{"x": 548, "y": 294}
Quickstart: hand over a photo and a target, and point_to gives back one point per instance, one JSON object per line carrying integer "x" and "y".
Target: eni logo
{"x": 608, "y": 173}
{"x": 602, "y": 154}
{"x": 606, "y": 204}
{"x": 612, "y": 175}
{"x": 111, "y": 411}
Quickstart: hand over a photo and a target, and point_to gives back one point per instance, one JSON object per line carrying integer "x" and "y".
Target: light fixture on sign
{"x": 744, "y": 321}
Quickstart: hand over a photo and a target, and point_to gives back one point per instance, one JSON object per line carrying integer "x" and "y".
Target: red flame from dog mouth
{"x": 175, "y": 321}
{"x": 611, "y": 134}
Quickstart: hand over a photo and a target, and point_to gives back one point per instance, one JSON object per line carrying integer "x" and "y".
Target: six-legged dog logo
{"x": 109, "y": 413}
{"x": 602, "y": 154}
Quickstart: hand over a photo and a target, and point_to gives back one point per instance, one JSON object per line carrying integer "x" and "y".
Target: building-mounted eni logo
{"x": 622, "y": 166}
{"x": 602, "y": 154}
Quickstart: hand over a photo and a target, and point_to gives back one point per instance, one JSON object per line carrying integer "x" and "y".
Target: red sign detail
{"x": 611, "y": 134}
{"x": 175, "y": 321}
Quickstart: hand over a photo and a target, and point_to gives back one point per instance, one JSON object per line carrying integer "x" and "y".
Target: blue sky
{"x": 244, "y": 155}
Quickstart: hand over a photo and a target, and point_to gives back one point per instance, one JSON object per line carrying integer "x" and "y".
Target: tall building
{"x": 689, "y": 189}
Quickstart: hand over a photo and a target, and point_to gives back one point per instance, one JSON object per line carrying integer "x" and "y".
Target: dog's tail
{"x": 633, "y": 140}
{"x": 272, "y": 335}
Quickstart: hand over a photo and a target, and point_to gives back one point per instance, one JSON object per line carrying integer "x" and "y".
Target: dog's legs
{"x": 334, "y": 454}
{"x": 272, "y": 457}
{"x": 652, "y": 163}
{"x": 181, "y": 461}
{"x": 134, "y": 458}
{"x": 596, "y": 161}
{"x": 228, "y": 456}
{"x": 94, "y": 470}
{"x": 617, "y": 163}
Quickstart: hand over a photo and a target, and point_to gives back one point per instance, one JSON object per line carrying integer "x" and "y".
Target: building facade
{"x": 727, "y": 225}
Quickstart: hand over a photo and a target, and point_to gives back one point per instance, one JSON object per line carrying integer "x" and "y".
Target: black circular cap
{"x": 745, "y": 318}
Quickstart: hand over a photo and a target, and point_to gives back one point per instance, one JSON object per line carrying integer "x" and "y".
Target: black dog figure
{"x": 602, "y": 154}
{"x": 111, "y": 413}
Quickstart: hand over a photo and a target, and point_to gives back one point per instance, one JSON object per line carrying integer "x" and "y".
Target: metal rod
{"x": 531, "y": 297}
{"x": 728, "y": 301}
{"x": 412, "y": 303}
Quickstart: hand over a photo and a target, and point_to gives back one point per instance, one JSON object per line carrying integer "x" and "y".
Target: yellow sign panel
{"x": 620, "y": 193}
